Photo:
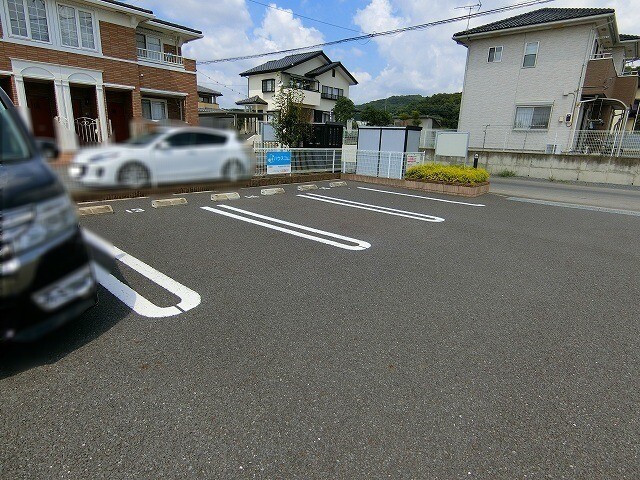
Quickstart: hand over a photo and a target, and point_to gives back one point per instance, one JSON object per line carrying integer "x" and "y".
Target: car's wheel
{"x": 233, "y": 171}
{"x": 133, "y": 175}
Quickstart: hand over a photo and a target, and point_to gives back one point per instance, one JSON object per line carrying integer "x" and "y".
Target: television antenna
{"x": 471, "y": 8}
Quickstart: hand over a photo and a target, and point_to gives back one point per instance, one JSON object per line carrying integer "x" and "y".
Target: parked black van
{"x": 46, "y": 277}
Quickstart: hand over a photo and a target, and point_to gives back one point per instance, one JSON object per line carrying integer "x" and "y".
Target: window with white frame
{"x": 28, "y": 18}
{"x": 495, "y": 55}
{"x": 149, "y": 46}
{"x": 76, "y": 27}
{"x": 532, "y": 117}
{"x": 530, "y": 54}
{"x": 154, "y": 109}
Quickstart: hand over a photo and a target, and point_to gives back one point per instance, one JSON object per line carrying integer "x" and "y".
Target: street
{"x": 354, "y": 331}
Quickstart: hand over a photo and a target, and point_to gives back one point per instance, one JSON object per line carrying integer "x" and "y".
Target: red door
{"x": 41, "y": 115}
{"x": 118, "y": 118}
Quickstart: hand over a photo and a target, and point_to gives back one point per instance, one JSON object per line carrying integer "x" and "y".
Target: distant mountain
{"x": 444, "y": 106}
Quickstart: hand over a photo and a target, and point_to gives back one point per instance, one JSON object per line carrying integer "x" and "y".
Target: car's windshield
{"x": 145, "y": 139}
{"x": 13, "y": 145}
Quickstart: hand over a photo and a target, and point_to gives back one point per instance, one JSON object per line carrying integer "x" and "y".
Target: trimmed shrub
{"x": 453, "y": 174}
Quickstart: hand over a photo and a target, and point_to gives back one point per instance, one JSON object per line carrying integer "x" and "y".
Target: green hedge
{"x": 457, "y": 174}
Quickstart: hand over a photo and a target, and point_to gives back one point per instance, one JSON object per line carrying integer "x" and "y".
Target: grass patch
{"x": 452, "y": 174}
{"x": 507, "y": 173}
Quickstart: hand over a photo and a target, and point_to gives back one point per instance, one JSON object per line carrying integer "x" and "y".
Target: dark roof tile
{"x": 255, "y": 100}
{"x": 210, "y": 91}
{"x": 284, "y": 63}
{"x": 537, "y": 17}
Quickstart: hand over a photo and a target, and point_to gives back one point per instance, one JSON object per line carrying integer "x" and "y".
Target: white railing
{"x": 598, "y": 56}
{"x": 617, "y": 144}
{"x": 303, "y": 160}
{"x": 383, "y": 164}
{"x": 160, "y": 57}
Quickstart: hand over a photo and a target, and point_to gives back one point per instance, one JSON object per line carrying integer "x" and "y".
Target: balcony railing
{"x": 598, "y": 56}
{"x": 160, "y": 57}
{"x": 301, "y": 83}
{"x": 331, "y": 96}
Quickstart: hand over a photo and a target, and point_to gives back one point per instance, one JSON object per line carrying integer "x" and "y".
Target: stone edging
{"x": 461, "y": 190}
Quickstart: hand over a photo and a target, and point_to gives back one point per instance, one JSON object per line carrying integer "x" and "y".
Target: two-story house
{"x": 86, "y": 69}
{"x": 321, "y": 80}
{"x": 533, "y": 81}
{"x": 207, "y": 99}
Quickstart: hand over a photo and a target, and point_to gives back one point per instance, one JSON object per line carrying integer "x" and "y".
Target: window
{"x": 37, "y": 27}
{"x": 205, "y": 99}
{"x": 154, "y": 109}
{"x": 495, "y": 55}
{"x": 333, "y": 72}
{"x": 181, "y": 140}
{"x": 76, "y": 27}
{"x": 208, "y": 139}
{"x": 532, "y": 118}
{"x": 141, "y": 41}
{"x": 269, "y": 85}
{"x": 530, "y": 54}
{"x": 332, "y": 93}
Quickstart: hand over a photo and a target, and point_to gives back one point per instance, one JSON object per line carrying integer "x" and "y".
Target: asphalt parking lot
{"x": 347, "y": 332}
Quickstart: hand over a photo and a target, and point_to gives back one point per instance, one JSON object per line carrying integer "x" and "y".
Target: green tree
{"x": 415, "y": 118}
{"x": 344, "y": 110}
{"x": 404, "y": 116}
{"x": 291, "y": 119}
{"x": 376, "y": 117}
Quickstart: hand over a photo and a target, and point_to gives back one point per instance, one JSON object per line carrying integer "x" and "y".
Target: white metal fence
{"x": 620, "y": 144}
{"x": 303, "y": 160}
{"x": 333, "y": 160}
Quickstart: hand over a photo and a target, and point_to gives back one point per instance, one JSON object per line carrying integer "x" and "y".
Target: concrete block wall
{"x": 585, "y": 168}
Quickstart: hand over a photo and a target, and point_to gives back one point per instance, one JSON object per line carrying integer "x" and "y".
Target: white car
{"x": 167, "y": 155}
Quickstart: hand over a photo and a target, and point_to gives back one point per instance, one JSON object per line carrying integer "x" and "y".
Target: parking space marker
{"x": 272, "y": 191}
{"x": 139, "y": 304}
{"x": 95, "y": 210}
{"x": 168, "y": 202}
{"x": 337, "y": 184}
{"x": 310, "y": 186}
{"x": 425, "y": 198}
{"x": 216, "y": 197}
{"x": 359, "y": 244}
{"x": 373, "y": 208}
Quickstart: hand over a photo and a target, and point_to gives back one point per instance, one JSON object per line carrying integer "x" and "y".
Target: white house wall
{"x": 339, "y": 81}
{"x": 492, "y": 90}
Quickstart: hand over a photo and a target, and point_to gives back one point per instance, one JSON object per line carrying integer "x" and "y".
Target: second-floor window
{"x": 76, "y": 27}
{"x": 495, "y": 55}
{"x": 530, "y": 54}
{"x": 532, "y": 118}
{"x": 269, "y": 85}
{"x": 28, "y": 18}
{"x": 332, "y": 92}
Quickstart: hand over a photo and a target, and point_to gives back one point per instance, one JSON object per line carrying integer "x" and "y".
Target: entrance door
{"x": 41, "y": 104}
{"x": 119, "y": 114}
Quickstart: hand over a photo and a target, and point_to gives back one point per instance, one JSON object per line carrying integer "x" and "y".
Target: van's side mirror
{"x": 48, "y": 148}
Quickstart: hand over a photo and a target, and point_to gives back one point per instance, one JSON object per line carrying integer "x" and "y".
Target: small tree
{"x": 415, "y": 116}
{"x": 344, "y": 110}
{"x": 404, "y": 117}
{"x": 375, "y": 117}
{"x": 291, "y": 120}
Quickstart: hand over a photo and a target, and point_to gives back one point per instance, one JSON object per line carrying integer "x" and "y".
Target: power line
{"x": 222, "y": 84}
{"x": 273, "y": 7}
{"x": 381, "y": 34}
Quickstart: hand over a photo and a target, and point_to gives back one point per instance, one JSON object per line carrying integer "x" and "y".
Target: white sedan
{"x": 167, "y": 155}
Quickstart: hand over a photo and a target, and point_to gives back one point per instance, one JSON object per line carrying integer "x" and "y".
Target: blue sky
{"x": 421, "y": 62}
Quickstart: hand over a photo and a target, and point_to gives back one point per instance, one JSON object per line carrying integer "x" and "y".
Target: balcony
{"x": 301, "y": 83}
{"x": 602, "y": 79}
{"x": 160, "y": 57}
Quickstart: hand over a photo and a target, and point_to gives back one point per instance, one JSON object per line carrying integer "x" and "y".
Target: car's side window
{"x": 180, "y": 140}
{"x": 206, "y": 139}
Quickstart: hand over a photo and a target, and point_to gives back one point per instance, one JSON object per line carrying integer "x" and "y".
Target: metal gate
{"x": 88, "y": 131}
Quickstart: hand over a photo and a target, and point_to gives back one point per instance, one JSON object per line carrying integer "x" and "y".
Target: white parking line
{"x": 425, "y": 198}
{"x": 577, "y": 206}
{"x": 359, "y": 244}
{"x": 373, "y": 208}
{"x": 188, "y": 298}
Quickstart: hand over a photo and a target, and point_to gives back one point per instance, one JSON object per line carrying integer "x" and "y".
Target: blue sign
{"x": 278, "y": 162}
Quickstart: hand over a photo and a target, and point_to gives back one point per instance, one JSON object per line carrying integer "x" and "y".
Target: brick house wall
{"x": 127, "y": 72}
